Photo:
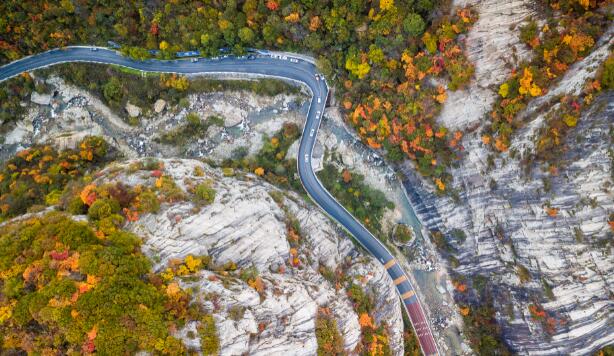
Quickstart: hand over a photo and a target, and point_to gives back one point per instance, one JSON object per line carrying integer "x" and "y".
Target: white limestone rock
{"x": 245, "y": 225}
{"x": 133, "y": 110}
{"x": 159, "y": 105}
{"x": 562, "y": 250}
{"x": 40, "y": 99}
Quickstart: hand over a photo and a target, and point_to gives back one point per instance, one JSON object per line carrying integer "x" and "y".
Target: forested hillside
{"x": 386, "y": 47}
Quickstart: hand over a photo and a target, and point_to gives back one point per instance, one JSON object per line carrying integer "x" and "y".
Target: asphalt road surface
{"x": 281, "y": 66}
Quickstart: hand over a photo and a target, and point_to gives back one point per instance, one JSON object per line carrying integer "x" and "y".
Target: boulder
{"x": 133, "y": 110}
{"x": 40, "y": 99}
{"x": 76, "y": 117}
{"x": 159, "y": 105}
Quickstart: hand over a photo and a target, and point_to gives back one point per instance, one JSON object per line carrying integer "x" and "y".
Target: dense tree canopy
{"x": 39, "y": 174}
{"x": 65, "y": 290}
{"x": 379, "y": 54}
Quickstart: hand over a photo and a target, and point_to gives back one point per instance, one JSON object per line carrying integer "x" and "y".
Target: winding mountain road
{"x": 282, "y": 66}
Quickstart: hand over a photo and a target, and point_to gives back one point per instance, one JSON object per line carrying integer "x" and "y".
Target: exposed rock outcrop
{"x": 247, "y": 226}
{"x": 133, "y": 110}
{"x": 159, "y": 105}
{"x": 40, "y": 99}
{"x": 502, "y": 208}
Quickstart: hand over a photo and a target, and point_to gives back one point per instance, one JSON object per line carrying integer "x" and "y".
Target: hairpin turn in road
{"x": 267, "y": 64}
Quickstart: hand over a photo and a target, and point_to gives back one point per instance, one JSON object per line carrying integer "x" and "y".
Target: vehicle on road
{"x": 194, "y": 60}
{"x": 319, "y": 100}
{"x": 312, "y": 132}
{"x": 293, "y": 60}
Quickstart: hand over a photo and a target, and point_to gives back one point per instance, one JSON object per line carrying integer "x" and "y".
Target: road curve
{"x": 298, "y": 70}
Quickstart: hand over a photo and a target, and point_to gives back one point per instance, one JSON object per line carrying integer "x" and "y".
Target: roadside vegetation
{"x": 12, "y": 93}
{"x": 116, "y": 86}
{"x": 270, "y": 161}
{"x": 193, "y": 128}
{"x": 366, "y": 204}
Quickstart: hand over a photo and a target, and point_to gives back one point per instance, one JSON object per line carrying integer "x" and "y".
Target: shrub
{"x": 110, "y": 224}
{"x": 228, "y": 171}
{"x": 330, "y": 341}
{"x": 103, "y": 208}
{"x": 168, "y": 189}
{"x": 204, "y": 193}
{"x": 528, "y": 32}
{"x": 607, "y": 74}
{"x": 209, "y": 341}
{"x": 53, "y": 197}
{"x": 523, "y": 273}
{"x": 148, "y": 202}
{"x": 236, "y": 312}
{"x": 76, "y": 206}
{"x": 403, "y": 234}
{"x": 459, "y": 235}
{"x": 414, "y": 25}
{"x": 215, "y": 120}
{"x": 113, "y": 90}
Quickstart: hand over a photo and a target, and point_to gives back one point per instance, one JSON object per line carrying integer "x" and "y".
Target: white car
{"x": 306, "y": 157}
{"x": 284, "y": 58}
{"x": 317, "y": 113}
{"x": 293, "y": 60}
{"x": 312, "y": 132}
{"x": 317, "y": 77}
{"x": 319, "y": 100}
{"x": 94, "y": 49}
{"x": 194, "y": 60}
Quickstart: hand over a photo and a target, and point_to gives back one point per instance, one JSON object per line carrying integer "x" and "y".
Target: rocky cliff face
{"x": 247, "y": 225}
{"x": 502, "y": 208}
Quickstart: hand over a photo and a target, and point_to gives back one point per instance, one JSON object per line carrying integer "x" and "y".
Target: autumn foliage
{"x": 330, "y": 341}
{"x": 39, "y": 174}
{"x": 398, "y": 113}
{"x": 558, "y": 44}
{"x": 84, "y": 294}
